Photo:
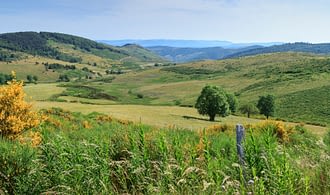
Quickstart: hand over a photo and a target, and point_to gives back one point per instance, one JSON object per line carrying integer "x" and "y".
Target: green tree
{"x": 29, "y": 78}
{"x": 233, "y": 102}
{"x": 266, "y": 105}
{"x": 35, "y": 78}
{"x": 213, "y": 101}
{"x": 249, "y": 109}
{"x": 64, "y": 78}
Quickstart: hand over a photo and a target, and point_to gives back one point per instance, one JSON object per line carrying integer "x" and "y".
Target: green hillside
{"x": 299, "y": 81}
{"x": 321, "y": 48}
{"x": 186, "y": 54}
{"x": 285, "y": 75}
{"x": 31, "y": 51}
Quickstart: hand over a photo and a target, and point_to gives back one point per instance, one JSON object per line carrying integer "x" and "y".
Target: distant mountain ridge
{"x": 191, "y": 50}
{"x": 320, "y": 48}
{"x": 188, "y": 54}
{"x": 177, "y": 54}
{"x": 185, "y": 43}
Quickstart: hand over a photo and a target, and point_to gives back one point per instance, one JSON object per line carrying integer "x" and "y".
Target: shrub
{"x": 278, "y": 129}
{"x": 139, "y": 95}
{"x": 16, "y": 115}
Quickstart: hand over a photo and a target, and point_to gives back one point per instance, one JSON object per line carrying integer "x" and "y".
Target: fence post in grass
{"x": 239, "y": 138}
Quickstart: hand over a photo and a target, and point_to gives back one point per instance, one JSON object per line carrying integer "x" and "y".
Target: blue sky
{"x": 232, "y": 20}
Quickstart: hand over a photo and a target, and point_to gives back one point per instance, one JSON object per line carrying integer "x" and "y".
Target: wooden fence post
{"x": 239, "y": 137}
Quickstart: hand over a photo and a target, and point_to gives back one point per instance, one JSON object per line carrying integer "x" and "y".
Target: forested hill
{"x": 322, "y": 48}
{"x": 43, "y": 44}
{"x": 179, "y": 54}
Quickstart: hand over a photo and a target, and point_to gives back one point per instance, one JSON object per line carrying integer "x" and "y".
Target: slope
{"x": 286, "y": 75}
{"x": 179, "y": 54}
{"x": 322, "y": 48}
{"x": 32, "y": 52}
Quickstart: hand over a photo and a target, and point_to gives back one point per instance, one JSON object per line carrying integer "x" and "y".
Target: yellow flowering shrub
{"x": 278, "y": 128}
{"x": 86, "y": 125}
{"x": 104, "y": 118}
{"x": 16, "y": 115}
{"x": 215, "y": 129}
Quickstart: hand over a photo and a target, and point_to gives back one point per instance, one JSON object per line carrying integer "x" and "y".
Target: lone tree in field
{"x": 266, "y": 105}
{"x": 213, "y": 101}
{"x": 29, "y": 78}
{"x": 249, "y": 109}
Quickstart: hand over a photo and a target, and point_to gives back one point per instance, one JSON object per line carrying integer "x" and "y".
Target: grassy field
{"x": 162, "y": 116}
{"x": 42, "y": 92}
{"x": 96, "y": 154}
{"x": 299, "y": 82}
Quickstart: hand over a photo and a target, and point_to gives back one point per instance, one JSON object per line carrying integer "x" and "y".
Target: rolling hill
{"x": 33, "y": 51}
{"x": 299, "y": 81}
{"x": 214, "y": 53}
{"x": 322, "y": 48}
{"x": 187, "y": 51}
{"x": 180, "y": 54}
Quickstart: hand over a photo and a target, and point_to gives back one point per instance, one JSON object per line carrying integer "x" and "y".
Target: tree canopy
{"x": 266, "y": 105}
{"x": 248, "y": 109}
{"x": 213, "y": 101}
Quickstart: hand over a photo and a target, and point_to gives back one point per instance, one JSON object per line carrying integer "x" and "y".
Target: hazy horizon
{"x": 237, "y": 21}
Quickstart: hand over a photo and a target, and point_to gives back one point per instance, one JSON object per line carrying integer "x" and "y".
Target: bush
{"x": 16, "y": 115}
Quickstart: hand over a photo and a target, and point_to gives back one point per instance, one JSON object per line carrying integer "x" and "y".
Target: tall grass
{"x": 96, "y": 154}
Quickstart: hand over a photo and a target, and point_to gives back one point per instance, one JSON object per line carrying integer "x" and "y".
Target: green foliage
{"x": 29, "y": 78}
{"x": 16, "y": 165}
{"x": 266, "y": 105}
{"x": 32, "y": 78}
{"x": 7, "y": 56}
{"x": 212, "y": 101}
{"x": 32, "y": 43}
{"x": 309, "y": 105}
{"x": 96, "y": 154}
{"x": 4, "y": 78}
{"x": 35, "y": 78}
{"x": 83, "y": 91}
{"x": 193, "y": 72}
{"x": 55, "y": 66}
{"x": 232, "y": 101}
{"x": 139, "y": 95}
{"x": 63, "y": 78}
{"x": 249, "y": 109}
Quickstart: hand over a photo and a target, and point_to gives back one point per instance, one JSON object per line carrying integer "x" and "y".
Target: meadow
{"x": 98, "y": 154}
{"x": 298, "y": 81}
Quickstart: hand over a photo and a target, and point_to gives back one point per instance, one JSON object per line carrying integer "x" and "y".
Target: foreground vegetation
{"x": 96, "y": 154}
{"x": 61, "y": 152}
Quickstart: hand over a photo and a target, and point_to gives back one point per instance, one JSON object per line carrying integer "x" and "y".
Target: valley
{"x": 92, "y": 118}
